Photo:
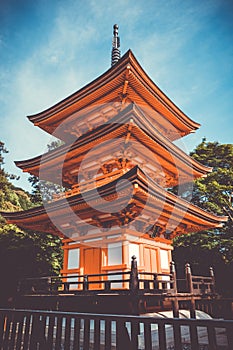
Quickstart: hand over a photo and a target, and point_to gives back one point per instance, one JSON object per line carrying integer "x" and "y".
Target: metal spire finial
{"x": 116, "y": 53}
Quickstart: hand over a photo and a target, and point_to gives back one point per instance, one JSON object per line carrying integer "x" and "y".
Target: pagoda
{"x": 116, "y": 166}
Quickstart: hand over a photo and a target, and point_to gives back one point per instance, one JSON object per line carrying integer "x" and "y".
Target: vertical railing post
{"x": 189, "y": 282}
{"x": 85, "y": 282}
{"x": 175, "y": 303}
{"x": 173, "y": 273}
{"x": 49, "y": 284}
{"x": 213, "y": 290}
{"x": 107, "y": 285}
{"x": 155, "y": 281}
{"x": 134, "y": 282}
{"x": 66, "y": 286}
{"x": 19, "y": 286}
{"x": 122, "y": 336}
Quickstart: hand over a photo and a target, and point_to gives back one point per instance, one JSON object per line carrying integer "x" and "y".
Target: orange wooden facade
{"x": 124, "y": 106}
{"x": 114, "y": 255}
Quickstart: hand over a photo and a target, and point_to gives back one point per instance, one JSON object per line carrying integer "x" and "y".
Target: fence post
{"x": 19, "y": 286}
{"x": 66, "y": 286}
{"x": 107, "y": 285}
{"x": 155, "y": 282}
{"x": 212, "y": 280}
{"x": 85, "y": 282}
{"x": 134, "y": 282}
{"x": 175, "y": 303}
{"x": 49, "y": 284}
{"x": 189, "y": 282}
{"x": 173, "y": 273}
{"x": 38, "y": 333}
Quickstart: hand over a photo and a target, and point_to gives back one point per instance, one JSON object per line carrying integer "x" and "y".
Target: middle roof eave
{"x": 142, "y": 128}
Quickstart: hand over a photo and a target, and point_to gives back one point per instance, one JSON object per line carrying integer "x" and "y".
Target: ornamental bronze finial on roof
{"x": 116, "y": 53}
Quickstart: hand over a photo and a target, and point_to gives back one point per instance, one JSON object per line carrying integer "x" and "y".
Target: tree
{"x": 22, "y": 253}
{"x": 213, "y": 193}
{"x": 11, "y": 197}
{"x": 2, "y": 150}
{"x": 43, "y": 191}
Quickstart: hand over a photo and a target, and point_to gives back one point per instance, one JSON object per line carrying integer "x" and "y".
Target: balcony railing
{"x": 132, "y": 281}
{"x": 82, "y": 284}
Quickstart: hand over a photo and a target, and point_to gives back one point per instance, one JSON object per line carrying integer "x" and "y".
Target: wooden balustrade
{"x": 199, "y": 284}
{"x": 51, "y": 330}
{"x": 131, "y": 280}
{"x": 137, "y": 285}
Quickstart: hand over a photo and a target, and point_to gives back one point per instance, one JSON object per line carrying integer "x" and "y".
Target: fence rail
{"x": 131, "y": 281}
{"x": 40, "y": 330}
{"x": 109, "y": 282}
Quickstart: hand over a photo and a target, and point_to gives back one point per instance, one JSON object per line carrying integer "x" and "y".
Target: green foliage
{"x": 11, "y": 197}
{"x": 26, "y": 254}
{"x": 2, "y": 150}
{"x": 23, "y": 253}
{"x": 43, "y": 191}
{"x": 213, "y": 193}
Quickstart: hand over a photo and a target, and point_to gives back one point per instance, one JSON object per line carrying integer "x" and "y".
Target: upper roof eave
{"x": 128, "y": 59}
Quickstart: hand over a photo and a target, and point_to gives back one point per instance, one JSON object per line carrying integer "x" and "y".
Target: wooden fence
{"x": 40, "y": 330}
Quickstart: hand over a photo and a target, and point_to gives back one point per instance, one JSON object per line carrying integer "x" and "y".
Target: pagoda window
{"x": 164, "y": 260}
{"x": 114, "y": 254}
{"x": 73, "y": 258}
{"x": 134, "y": 250}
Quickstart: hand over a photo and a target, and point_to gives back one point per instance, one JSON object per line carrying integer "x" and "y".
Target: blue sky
{"x": 51, "y": 48}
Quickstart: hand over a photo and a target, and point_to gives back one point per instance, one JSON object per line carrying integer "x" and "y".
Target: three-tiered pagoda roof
{"x": 125, "y": 107}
